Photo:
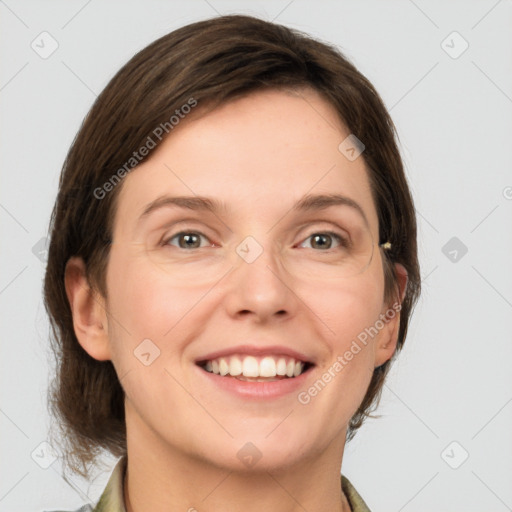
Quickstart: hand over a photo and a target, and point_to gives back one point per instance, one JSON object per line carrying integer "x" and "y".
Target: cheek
{"x": 349, "y": 313}
{"x": 348, "y": 308}
{"x": 151, "y": 323}
{"x": 145, "y": 305}
{"x": 146, "y": 301}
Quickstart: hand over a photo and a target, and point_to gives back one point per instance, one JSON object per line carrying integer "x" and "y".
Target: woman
{"x": 231, "y": 271}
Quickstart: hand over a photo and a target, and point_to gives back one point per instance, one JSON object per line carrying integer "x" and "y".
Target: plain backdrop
{"x": 444, "y": 70}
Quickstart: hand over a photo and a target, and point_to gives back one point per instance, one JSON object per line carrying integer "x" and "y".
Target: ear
{"x": 88, "y": 309}
{"x": 388, "y": 337}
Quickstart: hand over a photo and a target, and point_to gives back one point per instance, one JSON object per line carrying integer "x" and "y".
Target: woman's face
{"x": 255, "y": 277}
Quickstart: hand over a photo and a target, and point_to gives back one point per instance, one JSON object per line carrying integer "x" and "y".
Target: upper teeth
{"x": 250, "y": 366}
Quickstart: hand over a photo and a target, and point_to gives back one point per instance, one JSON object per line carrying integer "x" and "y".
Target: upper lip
{"x": 256, "y": 350}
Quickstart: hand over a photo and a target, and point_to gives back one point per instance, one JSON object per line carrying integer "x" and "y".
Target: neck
{"x": 160, "y": 477}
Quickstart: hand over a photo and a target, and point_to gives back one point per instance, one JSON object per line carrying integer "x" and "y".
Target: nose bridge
{"x": 259, "y": 283}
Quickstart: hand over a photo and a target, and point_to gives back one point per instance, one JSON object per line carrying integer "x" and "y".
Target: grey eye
{"x": 187, "y": 239}
{"x": 323, "y": 240}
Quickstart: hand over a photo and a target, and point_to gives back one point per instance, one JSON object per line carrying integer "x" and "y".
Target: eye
{"x": 187, "y": 240}
{"x": 323, "y": 240}
{"x": 192, "y": 240}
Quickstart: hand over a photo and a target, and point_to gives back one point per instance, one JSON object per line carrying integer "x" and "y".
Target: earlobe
{"x": 387, "y": 341}
{"x": 386, "y": 344}
{"x": 88, "y": 310}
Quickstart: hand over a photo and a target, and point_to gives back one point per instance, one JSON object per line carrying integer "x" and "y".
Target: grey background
{"x": 452, "y": 382}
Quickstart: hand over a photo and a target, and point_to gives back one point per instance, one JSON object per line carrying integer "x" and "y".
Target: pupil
{"x": 320, "y": 237}
{"x": 187, "y": 239}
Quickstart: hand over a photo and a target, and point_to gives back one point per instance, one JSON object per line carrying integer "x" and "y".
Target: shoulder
{"x": 357, "y": 504}
{"x": 112, "y": 497}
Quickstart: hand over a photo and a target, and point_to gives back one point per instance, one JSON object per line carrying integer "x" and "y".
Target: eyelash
{"x": 343, "y": 241}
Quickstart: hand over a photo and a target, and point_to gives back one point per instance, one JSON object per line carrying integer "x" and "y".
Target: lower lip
{"x": 257, "y": 390}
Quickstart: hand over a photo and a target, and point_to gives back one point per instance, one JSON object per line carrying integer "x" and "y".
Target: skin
{"x": 265, "y": 151}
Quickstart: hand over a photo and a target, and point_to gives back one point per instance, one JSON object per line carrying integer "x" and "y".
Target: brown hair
{"x": 211, "y": 61}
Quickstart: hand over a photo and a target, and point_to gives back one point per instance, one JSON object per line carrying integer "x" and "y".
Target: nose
{"x": 260, "y": 288}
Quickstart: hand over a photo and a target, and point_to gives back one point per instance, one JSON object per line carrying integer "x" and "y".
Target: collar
{"x": 112, "y": 499}
{"x": 357, "y": 504}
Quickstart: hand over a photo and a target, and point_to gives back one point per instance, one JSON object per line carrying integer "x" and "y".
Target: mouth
{"x": 266, "y": 368}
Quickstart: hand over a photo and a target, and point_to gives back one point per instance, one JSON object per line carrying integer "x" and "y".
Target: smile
{"x": 256, "y": 368}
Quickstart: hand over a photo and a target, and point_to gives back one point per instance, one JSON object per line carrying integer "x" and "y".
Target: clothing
{"x": 112, "y": 499}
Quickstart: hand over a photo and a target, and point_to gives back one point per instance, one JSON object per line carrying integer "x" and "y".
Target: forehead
{"x": 258, "y": 155}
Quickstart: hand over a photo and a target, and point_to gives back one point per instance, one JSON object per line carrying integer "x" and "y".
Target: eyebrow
{"x": 200, "y": 203}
